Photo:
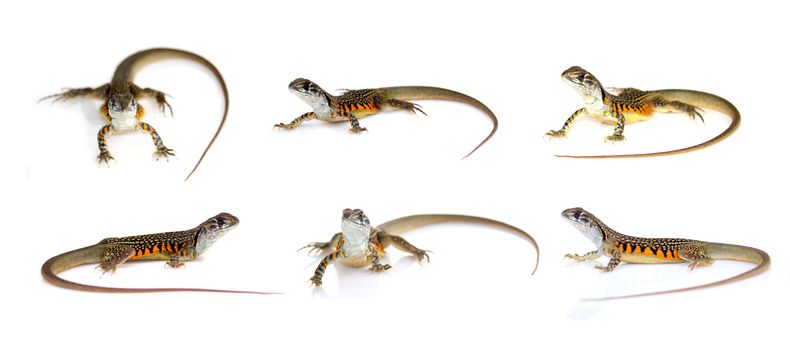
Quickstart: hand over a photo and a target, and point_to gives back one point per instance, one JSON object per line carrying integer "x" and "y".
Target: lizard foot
{"x": 315, "y": 247}
{"x": 284, "y": 126}
{"x": 422, "y": 254}
{"x": 316, "y": 281}
{"x": 104, "y": 157}
{"x": 555, "y": 134}
{"x": 380, "y": 267}
{"x": 175, "y": 265}
{"x": 357, "y": 130}
{"x": 163, "y": 152}
{"x": 576, "y": 257}
{"x": 614, "y": 138}
{"x": 605, "y": 268}
{"x": 695, "y": 112}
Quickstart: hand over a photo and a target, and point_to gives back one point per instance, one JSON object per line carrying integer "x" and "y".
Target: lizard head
{"x": 122, "y": 106}
{"x": 311, "y": 94}
{"x": 585, "y": 222}
{"x": 578, "y": 217}
{"x": 356, "y": 229}
{"x": 212, "y": 229}
{"x": 583, "y": 82}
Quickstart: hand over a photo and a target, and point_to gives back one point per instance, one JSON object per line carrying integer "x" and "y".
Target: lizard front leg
{"x": 296, "y": 122}
{"x": 613, "y": 262}
{"x": 319, "y": 271}
{"x": 375, "y": 264}
{"x": 175, "y": 261}
{"x": 619, "y": 126}
{"x": 566, "y": 126}
{"x": 161, "y": 150}
{"x": 403, "y": 245}
{"x": 355, "y": 128}
{"x": 101, "y": 92}
{"x": 157, "y": 95}
{"x": 104, "y": 153}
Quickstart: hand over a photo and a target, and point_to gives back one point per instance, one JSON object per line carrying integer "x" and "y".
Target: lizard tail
{"x": 718, "y": 251}
{"x": 695, "y": 98}
{"x": 407, "y": 223}
{"x": 92, "y": 255}
{"x": 435, "y": 93}
{"x": 140, "y": 59}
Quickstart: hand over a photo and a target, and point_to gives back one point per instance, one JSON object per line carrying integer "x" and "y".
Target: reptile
{"x": 355, "y": 104}
{"x": 174, "y": 247}
{"x": 360, "y": 244}
{"x": 121, "y": 110}
{"x": 619, "y": 247}
{"x": 630, "y": 105}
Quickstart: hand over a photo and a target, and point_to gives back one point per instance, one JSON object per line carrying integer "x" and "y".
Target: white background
{"x": 288, "y": 188}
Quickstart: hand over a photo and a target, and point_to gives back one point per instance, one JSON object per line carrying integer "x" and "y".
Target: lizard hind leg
{"x": 114, "y": 256}
{"x": 679, "y": 107}
{"x": 403, "y": 245}
{"x": 160, "y": 97}
{"x": 404, "y": 105}
{"x": 695, "y": 255}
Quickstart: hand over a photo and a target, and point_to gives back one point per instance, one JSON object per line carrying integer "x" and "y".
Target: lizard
{"x": 622, "y": 248}
{"x": 121, "y": 110}
{"x": 630, "y": 105}
{"x": 174, "y": 247}
{"x": 355, "y": 104}
{"x": 360, "y": 244}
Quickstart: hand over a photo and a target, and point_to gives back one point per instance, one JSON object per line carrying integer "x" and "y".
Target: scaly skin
{"x": 360, "y": 244}
{"x": 174, "y": 247}
{"x": 620, "y": 247}
{"x": 355, "y": 104}
{"x": 631, "y": 105}
{"x": 120, "y": 108}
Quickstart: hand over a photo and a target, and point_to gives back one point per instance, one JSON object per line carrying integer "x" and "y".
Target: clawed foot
{"x": 357, "y": 130}
{"x": 104, "y": 157}
{"x": 557, "y": 134}
{"x": 614, "y": 138}
{"x": 175, "y": 264}
{"x": 576, "y": 257}
{"x": 316, "y": 281}
{"x": 164, "y": 152}
{"x": 414, "y": 108}
{"x": 283, "y": 126}
{"x": 162, "y": 104}
{"x": 315, "y": 247}
{"x": 695, "y": 112}
{"x": 423, "y": 254}
{"x": 380, "y": 267}
{"x": 604, "y": 268}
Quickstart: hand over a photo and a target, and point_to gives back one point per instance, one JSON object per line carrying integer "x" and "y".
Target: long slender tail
{"x": 718, "y": 251}
{"x": 435, "y": 93}
{"x": 132, "y": 64}
{"x": 695, "y": 98}
{"x": 92, "y": 255}
{"x": 407, "y": 223}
